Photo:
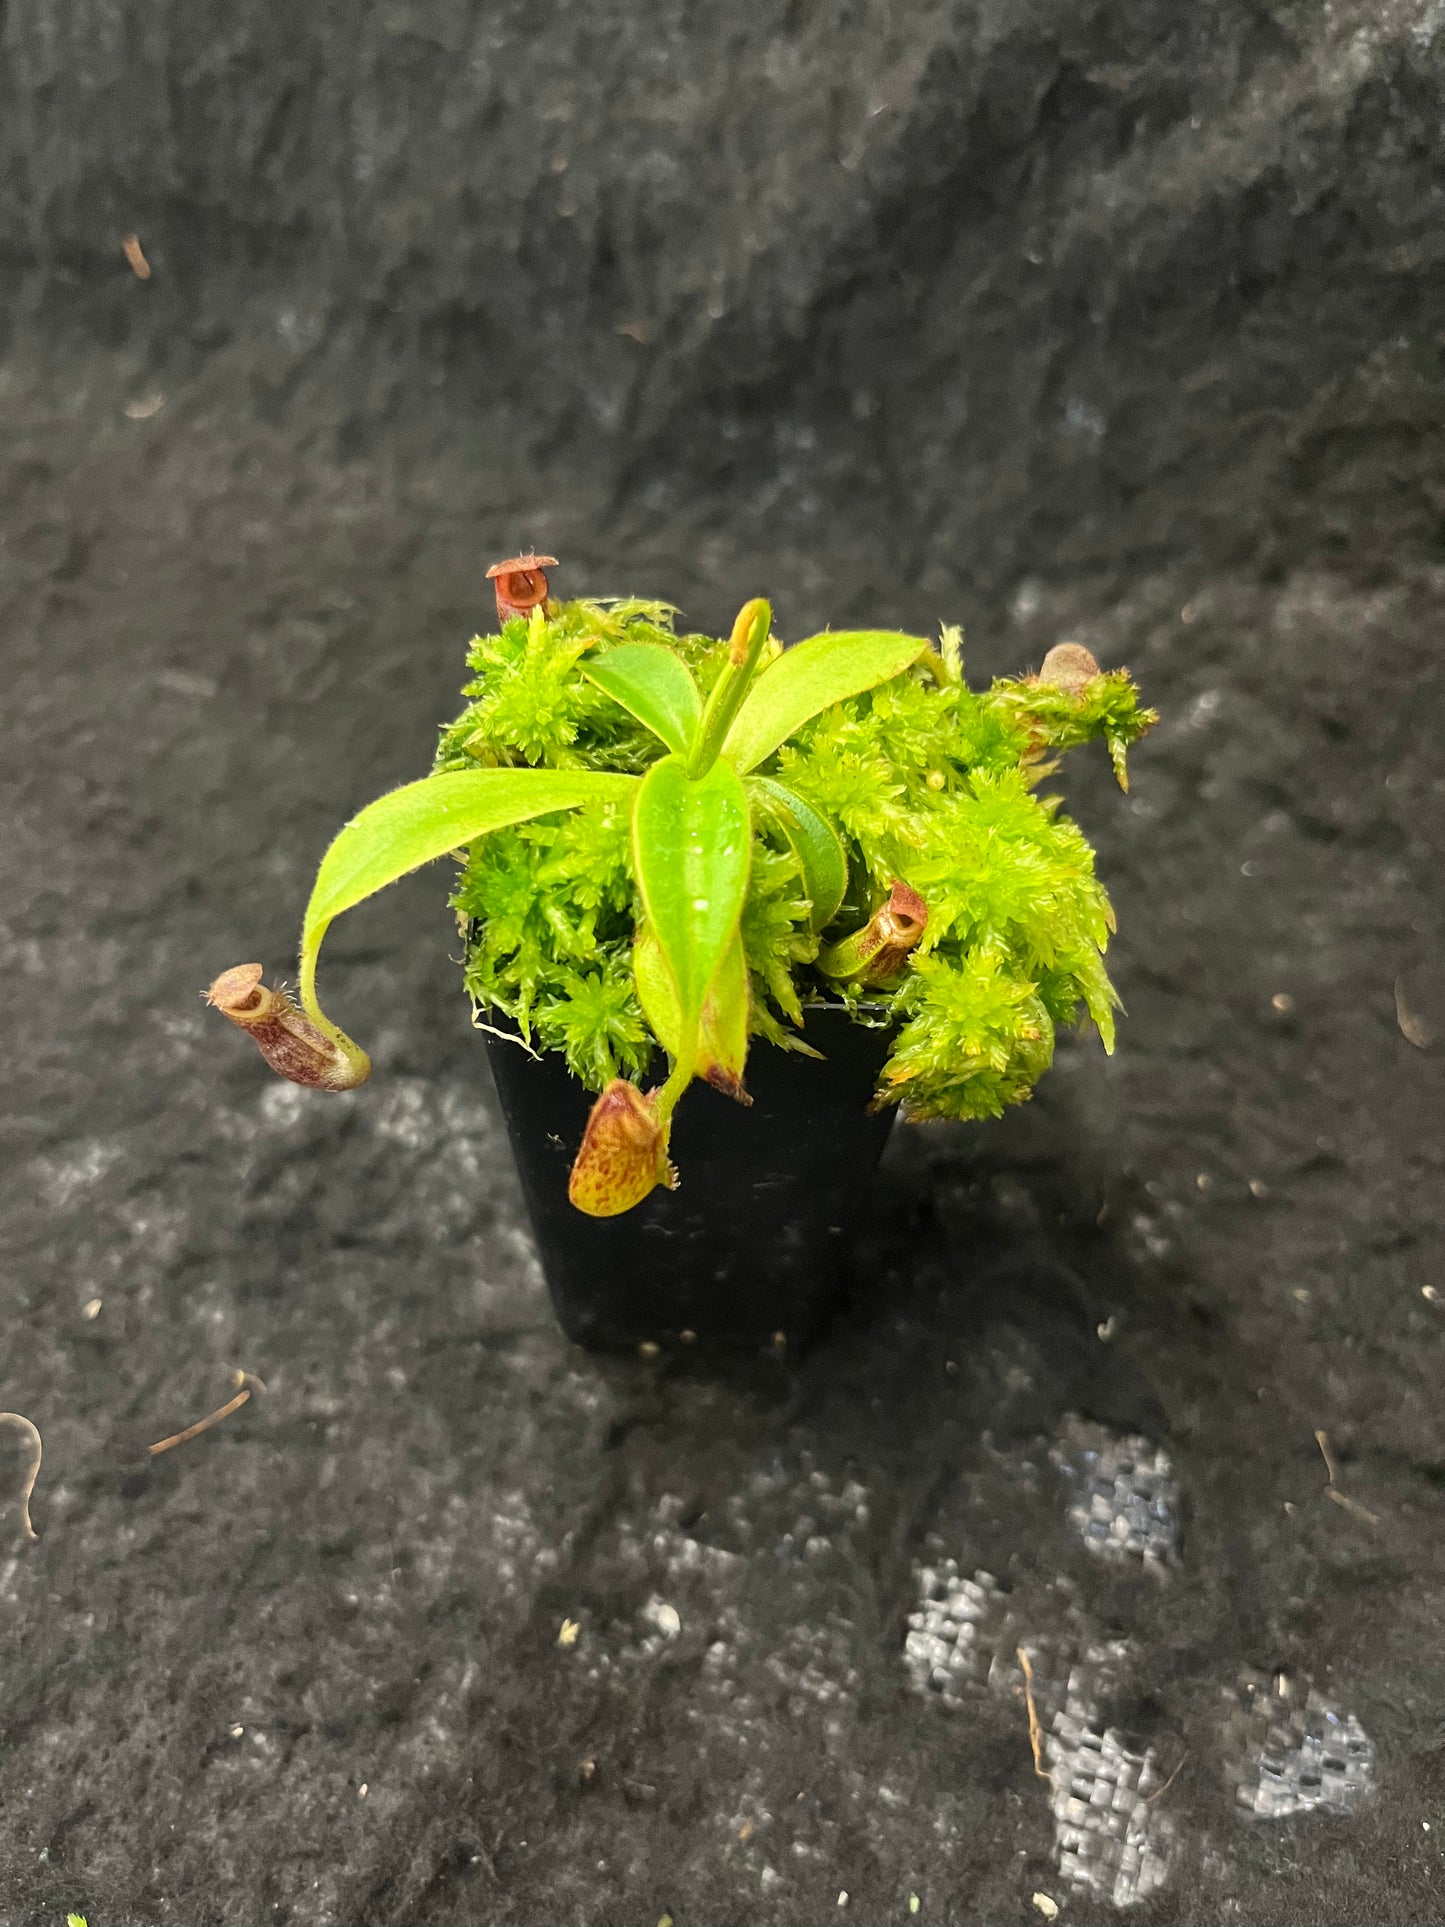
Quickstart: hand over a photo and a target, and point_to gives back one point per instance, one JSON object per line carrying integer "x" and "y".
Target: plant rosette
{"x": 671, "y": 845}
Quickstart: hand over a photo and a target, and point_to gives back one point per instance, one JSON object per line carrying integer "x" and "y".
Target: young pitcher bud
{"x": 623, "y": 1155}
{"x": 288, "y": 1040}
{"x": 754, "y": 617}
{"x": 521, "y": 584}
{"x": 876, "y": 953}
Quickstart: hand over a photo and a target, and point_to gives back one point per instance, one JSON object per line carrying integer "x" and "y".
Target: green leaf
{"x": 692, "y": 847}
{"x": 657, "y": 686}
{"x": 722, "y": 1044}
{"x": 425, "y": 820}
{"x": 656, "y": 991}
{"x": 811, "y": 676}
{"x": 815, "y": 843}
{"x": 723, "y": 1034}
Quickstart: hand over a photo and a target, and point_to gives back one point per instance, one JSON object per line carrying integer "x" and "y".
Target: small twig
{"x": 1159, "y": 1792}
{"x": 1332, "y": 1490}
{"x": 1352, "y": 1505}
{"x": 27, "y": 1425}
{"x": 131, "y": 248}
{"x": 1036, "y": 1738}
{"x": 201, "y": 1424}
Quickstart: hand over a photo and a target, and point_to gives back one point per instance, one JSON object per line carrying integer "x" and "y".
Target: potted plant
{"x": 724, "y": 906}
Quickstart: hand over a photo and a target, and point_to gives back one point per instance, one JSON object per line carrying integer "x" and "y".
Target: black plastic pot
{"x": 751, "y": 1243}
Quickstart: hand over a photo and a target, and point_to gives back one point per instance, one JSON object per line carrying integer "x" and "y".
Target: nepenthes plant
{"x": 670, "y": 844}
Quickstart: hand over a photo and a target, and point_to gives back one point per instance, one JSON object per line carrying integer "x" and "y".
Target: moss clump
{"x": 925, "y": 780}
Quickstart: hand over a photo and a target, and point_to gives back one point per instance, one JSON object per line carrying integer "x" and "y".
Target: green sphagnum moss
{"x": 925, "y": 780}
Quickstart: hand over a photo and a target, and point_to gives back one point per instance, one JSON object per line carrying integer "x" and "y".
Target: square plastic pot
{"x": 752, "y": 1243}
